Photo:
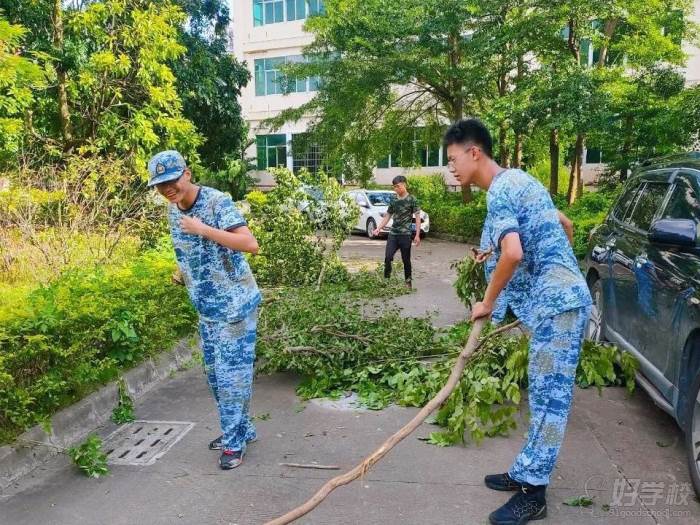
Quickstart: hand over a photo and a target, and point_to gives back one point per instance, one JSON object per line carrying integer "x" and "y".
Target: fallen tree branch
{"x": 327, "y": 329}
{"x": 302, "y": 465}
{"x": 473, "y": 344}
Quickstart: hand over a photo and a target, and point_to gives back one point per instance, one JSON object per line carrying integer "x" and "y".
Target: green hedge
{"x": 448, "y": 214}
{"x": 63, "y": 340}
{"x": 587, "y": 213}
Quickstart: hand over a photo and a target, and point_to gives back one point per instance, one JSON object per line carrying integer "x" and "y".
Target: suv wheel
{"x": 692, "y": 433}
{"x": 596, "y": 324}
{"x": 371, "y": 225}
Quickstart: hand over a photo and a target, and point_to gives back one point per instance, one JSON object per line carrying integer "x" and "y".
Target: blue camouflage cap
{"x": 165, "y": 166}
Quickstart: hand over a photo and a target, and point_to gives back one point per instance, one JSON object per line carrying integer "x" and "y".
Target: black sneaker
{"x": 230, "y": 459}
{"x": 216, "y": 444}
{"x": 502, "y": 482}
{"x": 528, "y": 504}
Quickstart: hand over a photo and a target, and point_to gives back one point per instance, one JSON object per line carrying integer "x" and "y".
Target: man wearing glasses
{"x": 209, "y": 236}
{"x": 531, "y": 268}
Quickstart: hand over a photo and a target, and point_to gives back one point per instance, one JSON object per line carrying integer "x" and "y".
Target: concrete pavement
{"x": 615, "y": 447}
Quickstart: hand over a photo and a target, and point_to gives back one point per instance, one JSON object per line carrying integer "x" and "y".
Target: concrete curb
{"x": 453, "y": 238}
{"x": 72, "y": 424}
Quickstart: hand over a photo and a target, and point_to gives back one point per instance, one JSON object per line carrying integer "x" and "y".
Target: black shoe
{"x": 216, "y": 444}
{"x": 409, "y": 284}
{"x": 502, "y": 482}
{"x": 528, "y": 504}
{"x": 230, "y": 459}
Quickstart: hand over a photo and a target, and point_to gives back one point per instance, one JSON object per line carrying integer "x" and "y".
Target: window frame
{"x": 640, "y": 192}
{"x": 267, "y": 147}
{"x": 636, "y": 185}
{"x": 308, "y": 8}
{"x": 263, "y": 68}
{"x": 687, "y": 179}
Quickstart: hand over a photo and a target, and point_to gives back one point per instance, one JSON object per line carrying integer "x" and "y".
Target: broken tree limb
{"x": 302, "y": 465}
{"x": 472, "y": 345}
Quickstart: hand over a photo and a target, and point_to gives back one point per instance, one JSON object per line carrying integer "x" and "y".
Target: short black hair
{"x": 398, "y": 179}
{"x": 469, "y": 130}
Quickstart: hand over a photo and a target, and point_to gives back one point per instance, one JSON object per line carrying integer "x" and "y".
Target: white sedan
{"x": 373, "y": 207}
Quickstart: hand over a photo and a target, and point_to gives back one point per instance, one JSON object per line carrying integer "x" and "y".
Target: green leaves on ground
{"x": 124, "y": 411}
{"x": 581, "y": 501}
{"x": 89, "y": 458}
{"x": 342, "y": 338}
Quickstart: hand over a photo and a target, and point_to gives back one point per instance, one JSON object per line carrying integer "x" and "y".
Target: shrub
{"x": 67, "y": 338}
{"x": 299, "y": 236}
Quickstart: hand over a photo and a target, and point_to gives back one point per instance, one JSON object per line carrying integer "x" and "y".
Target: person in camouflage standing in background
{"x": 531, "y": 269}
{"x": 209, "y": 236}
{"x": 402, "y": 209}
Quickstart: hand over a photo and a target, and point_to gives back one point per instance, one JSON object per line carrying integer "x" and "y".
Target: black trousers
{"x": 394, "y": 243}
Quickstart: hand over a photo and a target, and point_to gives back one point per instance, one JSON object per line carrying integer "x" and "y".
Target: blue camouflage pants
{"x": 229, "y": 354}
{"x": 555, "y": 347}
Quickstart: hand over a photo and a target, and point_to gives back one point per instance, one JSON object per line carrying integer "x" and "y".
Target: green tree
{"x": 209, "y": 82}
{"x": 363, "y": 50}
{"x": 123, "y": 92}
{"x": 19, "y": 76}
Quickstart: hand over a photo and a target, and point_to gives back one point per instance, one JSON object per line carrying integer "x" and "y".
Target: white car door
{"x": 363, "y": 204}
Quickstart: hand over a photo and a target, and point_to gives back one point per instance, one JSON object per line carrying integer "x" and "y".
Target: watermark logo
{"x": 635, "y": 497}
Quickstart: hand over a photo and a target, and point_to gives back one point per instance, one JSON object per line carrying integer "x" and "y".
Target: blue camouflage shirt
{"x": 548, "y": 280}
{"x": 218, "y": 279}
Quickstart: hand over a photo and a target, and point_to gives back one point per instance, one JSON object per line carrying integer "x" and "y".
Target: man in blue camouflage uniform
{"x": 531, "y": 269}
{"x": 209, "y": 236}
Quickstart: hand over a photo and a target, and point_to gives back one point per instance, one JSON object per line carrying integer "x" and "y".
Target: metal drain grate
{"x": 143, "y": 442}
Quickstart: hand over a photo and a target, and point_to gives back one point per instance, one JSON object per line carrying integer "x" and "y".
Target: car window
{"x": 625, "y": 200}
{"x": 648, "y": 203}
{"x": 381, "y": 199}
{"x": 683, "y": 203}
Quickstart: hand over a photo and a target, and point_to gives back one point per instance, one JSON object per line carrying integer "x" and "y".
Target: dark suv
{"x": 643, "y": 269}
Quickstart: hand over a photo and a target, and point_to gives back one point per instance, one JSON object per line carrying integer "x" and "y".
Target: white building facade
{"x": 266, "y": 34}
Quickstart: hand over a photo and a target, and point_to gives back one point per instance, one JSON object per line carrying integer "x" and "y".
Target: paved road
{"x": 611, "y": 448}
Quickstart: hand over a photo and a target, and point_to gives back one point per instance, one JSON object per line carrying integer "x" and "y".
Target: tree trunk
{"x": 608, "y": 31}
{"x": 575, "y": 174}
{"x": 554, "y": 161}
{"x": 626, "y": 148}
{"x": 518, "y": 146}
{"x": 503, "y": 144}
{"x": 518, "y": 151}
{"x": 574, "y": 45}
{"x": 457, "y": 103}
{"x": 579, "y": 178}
{"x": 61, "y": 77}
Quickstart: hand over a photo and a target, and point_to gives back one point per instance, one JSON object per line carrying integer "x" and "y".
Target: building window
{"x": 296, "y": 10}
{"x": 412, "y": 153}
{"x": 306, "y": 154}
{"x": 275, "y": 11}
{"x": 269, "y": 79}
{"x": 268, "y": 12}
{"x": 594, "y": 156}
{"x": 272, "y": 151}
{"x": 316, "y": 7}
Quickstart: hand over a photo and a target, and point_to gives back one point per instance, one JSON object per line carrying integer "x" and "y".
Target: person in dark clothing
{"x": 402, "y": 210}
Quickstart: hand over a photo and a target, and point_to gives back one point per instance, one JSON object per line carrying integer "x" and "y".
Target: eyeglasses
{"x": 451, "y": 163}
{"x": 168, "y": 182}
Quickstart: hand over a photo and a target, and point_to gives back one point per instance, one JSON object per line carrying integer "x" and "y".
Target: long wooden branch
{"x": 472, "y": 345}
